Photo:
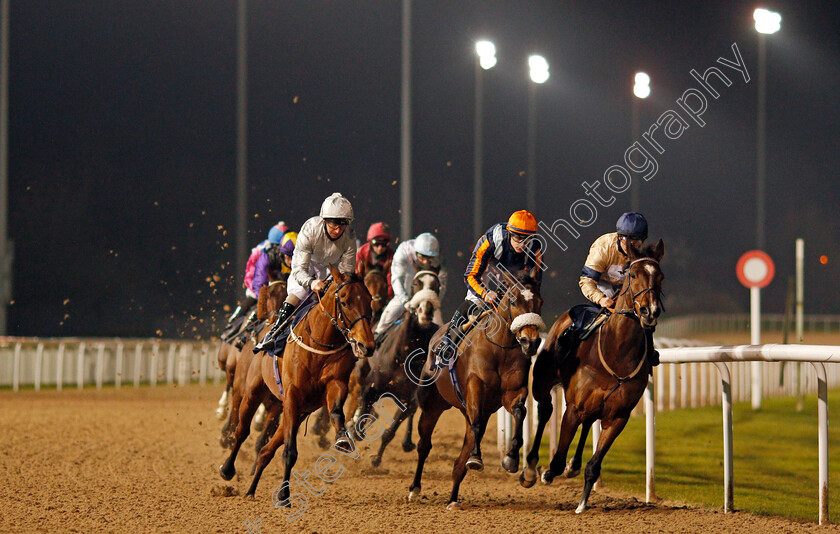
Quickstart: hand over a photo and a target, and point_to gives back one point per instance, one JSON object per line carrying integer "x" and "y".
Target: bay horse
{"x": 228, "y": 353}
{"x": 411, "y": 331}
{"x": 310, "y": 377}
{"x": 271, "y": 298}
{"x": 492, "y": 367}
{"x": 603, "y": 378}
{"x": 377, "y": 284}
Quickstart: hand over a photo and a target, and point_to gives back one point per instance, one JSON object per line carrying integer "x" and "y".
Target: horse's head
{"x": 351, "y": 303}
{"x": 525, "y": 303}
{"x": 272, "y": 296}
{"x": 643, "y": 284}
{"x": 377, "y": 285}
{"x": 425, "y": 288}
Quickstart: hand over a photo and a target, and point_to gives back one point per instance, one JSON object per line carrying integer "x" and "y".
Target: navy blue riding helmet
{"x": 632, "y": 225}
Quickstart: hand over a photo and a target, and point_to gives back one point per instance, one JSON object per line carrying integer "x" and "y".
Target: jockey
{"x": 269, "y": 259}
{"x": 323, "y": 240}
{"x": 604, "y": 271}
{"x": 412, "y": 256}
{"x": 376, "y": 253}
{"x": 503, "y": 245}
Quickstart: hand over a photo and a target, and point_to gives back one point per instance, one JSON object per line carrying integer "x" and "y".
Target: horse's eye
{"x": 632, "y": 275}
{"x": 344, "y": 304}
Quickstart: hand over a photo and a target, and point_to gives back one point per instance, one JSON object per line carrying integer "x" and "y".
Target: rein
{"x": 345, "y": 330}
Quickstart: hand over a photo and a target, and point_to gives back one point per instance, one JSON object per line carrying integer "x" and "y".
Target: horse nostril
{"x": 656, "y": 312}
{"x": 644, "y": 310}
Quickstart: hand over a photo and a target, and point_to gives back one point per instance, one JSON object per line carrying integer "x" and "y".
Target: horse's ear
{"x": 336, "y": 274}
{"x": 536, "y": 274}
{"x": 659, "y": 250}
{"x": 632, "y": 251}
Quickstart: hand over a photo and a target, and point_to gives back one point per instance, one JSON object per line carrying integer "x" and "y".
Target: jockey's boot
{"x": 270, "y": 340}
{"x": 229, "y": 329}
{"x": 447, "y": 347}
{"x": 566, "y": 342}
{"x": 652, "y": 354}
{"x": 378, "y": 338}
{"x": 242, "y": 338}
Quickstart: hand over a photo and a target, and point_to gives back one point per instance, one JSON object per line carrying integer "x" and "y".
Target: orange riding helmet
{"x": 522, "y": 222}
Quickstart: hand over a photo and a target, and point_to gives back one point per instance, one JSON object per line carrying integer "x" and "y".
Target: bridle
{"x": 344, "y": 328}
{"x": 636, "y": 309}
{"x": 375, "y": 298}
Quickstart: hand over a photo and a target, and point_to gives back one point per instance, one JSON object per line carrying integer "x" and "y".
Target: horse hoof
{"x": 408, "y": 447}
{"x": 414, "y": 495}
{"x": 225, "y": 474}
{"x": 510, "y": 464}
{"x": 475, "y": 463}
{"x": 454, "y": 505}
{"x": 581, "y": 508}
{"x": 528, "y": 477}
{"x": 547, "y": 477}
{"x": 221, "y": 412}
{"x": 343, "y": 444}
{"x": 249, "y": 497}
{"x": 570, "y": 473}
{"x": 375, "y": 461}
{"x": 259, "y": 426}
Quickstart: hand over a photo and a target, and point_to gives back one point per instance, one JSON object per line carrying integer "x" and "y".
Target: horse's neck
{"x": 627, "y": 331}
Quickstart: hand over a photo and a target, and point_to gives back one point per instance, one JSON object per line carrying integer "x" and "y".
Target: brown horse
{"x": 339, "y": 325}
{"x": 492, "y": 370}
{"x": 377, "y": 284}
{"x": 228, "y": 354}
{"x": 605, "y": 376}
{"x": 271, "y": 298}
{"x": 411, "y": 332}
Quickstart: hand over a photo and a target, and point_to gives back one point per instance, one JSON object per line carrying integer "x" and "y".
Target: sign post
{"x": 755, "y": 270}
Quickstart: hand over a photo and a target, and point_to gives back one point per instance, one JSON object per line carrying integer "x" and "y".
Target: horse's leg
{"x": 516, "y": 406}
{"x": 273, "y": 412}
{"x": 544, "y": 379}
{"x": 389, "y": 434}
{"x": 336, "y": 395}
{"x": 573, "y": 467}
{"x": 407, "y": 444}
{"x": 227, "y": 439}
{"x": 222, "y": 410}
{"x": 259, "y": 418}
{"x": 286, "y": 433}
{"x": 459, "y": 470}
{"x": 478, "y": 421}
{"x": 568, "y": 428}
{"x": 321, "y": 427}
{"x": 432, "y": 405}
{"x": 250, "y": 401}
{"x": 610, "y": 431}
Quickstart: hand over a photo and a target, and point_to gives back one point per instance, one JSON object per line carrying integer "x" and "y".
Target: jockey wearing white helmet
{"x": 419, "y": 254}
{"x": 324, "y": 240}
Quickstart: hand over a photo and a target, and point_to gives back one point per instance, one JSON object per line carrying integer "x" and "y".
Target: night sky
{"x": 122, "y": 143}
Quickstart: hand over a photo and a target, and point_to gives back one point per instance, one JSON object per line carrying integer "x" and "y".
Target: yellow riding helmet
{"x": 522, "y": 222}
{"x": 287, "y": 245}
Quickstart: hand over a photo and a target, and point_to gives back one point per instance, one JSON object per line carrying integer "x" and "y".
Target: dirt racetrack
{"x": 147, "y": 461}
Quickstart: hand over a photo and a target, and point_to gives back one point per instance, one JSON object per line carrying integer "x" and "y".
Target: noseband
{"x": 634, "y": 311}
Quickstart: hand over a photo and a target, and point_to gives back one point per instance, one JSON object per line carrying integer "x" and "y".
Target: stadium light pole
{"x": 641, "y": 90}
{"x": 766, "y": 22}
{"x": 485, "y": 60}
{"x": 539, "y": 75}
{"x": 405, "y": 125}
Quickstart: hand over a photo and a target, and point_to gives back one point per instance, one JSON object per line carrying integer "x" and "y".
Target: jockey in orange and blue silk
{"x": 506, "y": 249}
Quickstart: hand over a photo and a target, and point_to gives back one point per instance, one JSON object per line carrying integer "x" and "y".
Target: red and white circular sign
{"x": 755, "y": 269}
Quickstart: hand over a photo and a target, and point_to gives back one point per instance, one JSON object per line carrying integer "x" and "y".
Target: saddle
{"x": 233, "y": 328}
{"x": 586, "y": 318}
{"x": 294, "y": 320}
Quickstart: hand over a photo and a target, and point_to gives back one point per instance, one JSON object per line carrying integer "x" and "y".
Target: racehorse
{"x": 228, "y": 354}
{"x": 377, "y": 284}
{"x": 310, "y": 377}
{"x": 491, "y": 367}
{"x": 410, "y": 332}
{"x": 271, "y": 298}
{"x": 605, "y": 376}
